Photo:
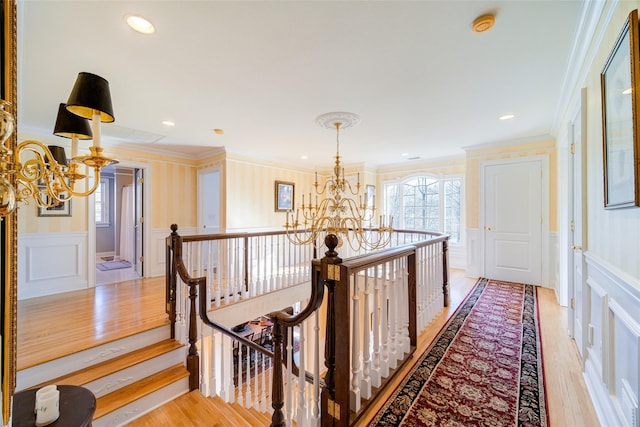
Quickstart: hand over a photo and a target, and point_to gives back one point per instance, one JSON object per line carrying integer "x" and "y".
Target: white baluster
{"x": 365, "y": 382}
{"x": 239, "y": 382}
{"x": 355, "y": 344}
{"x": 217, "y": 283}
{"x": 256, "y": 388}
{"x": 251, "y": 269}
{"x": 248, "y": 394}
{"x": 376, "y": 306}
{"x": 397, "y": 296}
{"x": 240, "y": 286}
{"x": 302, "y": 401}
{"x": 281, "y": 251}
{"x": 393, "y": 357}
{"x": 228, "y": 387}
{"x": 263, "y": 396}
{"x": 384, "y": 322}
{"x": 266, "y": 263}
{"x": 316, "y": 368}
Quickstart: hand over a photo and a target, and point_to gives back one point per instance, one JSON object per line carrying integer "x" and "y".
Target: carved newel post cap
{"x": 331, "y": 240}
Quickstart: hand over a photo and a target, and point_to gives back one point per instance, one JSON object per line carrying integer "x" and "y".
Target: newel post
{"x": 277, "y": 386}
{"x": 171, "y": 279}
{"x": 330, "y": 271}
{"x": 193, "y": 359}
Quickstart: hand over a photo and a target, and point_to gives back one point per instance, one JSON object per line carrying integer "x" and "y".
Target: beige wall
{"x": 472, "y": 180}
{"x": 172, "y": 187}
{"x": 250, "y": 199}
{"x": 613, "y": 235}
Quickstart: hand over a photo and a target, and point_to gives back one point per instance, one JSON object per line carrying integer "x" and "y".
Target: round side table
{"x": 77, "y": 405}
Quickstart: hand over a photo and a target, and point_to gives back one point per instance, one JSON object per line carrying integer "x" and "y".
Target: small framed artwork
{"x": 370, "y": 192}
{"x": 621, "y": 134}
{"x": 284, "y": 196}
{"x": 61, "y": 209}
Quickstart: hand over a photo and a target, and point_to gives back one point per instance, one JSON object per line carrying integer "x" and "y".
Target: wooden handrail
{"x": 338, "y": 307}
{"x": 281, "y": 320}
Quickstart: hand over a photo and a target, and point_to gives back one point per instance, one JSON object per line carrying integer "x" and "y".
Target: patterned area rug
{"x": 484, "y": 368}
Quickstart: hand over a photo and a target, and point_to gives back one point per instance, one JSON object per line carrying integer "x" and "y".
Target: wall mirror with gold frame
{"x": 9, "y": 226}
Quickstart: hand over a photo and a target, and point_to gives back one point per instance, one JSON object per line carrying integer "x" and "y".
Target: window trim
{"x": 441, "y": 178}
{"x": 104, "y": 191}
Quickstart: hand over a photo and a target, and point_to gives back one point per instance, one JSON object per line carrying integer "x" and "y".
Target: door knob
{"x": 488, "y": 228}
{"x": 576, "y": 248}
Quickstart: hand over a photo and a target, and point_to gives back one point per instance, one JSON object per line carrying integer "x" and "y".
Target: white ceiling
{"x": 422, "y": 82}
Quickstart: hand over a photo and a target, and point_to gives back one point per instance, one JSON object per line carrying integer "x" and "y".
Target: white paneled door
{"x": 209, "y": 201}
{"x": 513, "y": 219}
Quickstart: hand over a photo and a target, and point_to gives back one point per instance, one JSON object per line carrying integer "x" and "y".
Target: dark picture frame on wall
{"x": 61, "y": 209}
{"x": 284, "y": 196}
{"x": 621, "y": 135}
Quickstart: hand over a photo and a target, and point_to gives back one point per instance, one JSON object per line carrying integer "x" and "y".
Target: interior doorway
{"x": 118, "y": 218}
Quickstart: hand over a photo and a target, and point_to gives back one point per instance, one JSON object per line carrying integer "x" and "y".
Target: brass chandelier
{"x": 42, "y": 173}
{"x": 343, "y": 210}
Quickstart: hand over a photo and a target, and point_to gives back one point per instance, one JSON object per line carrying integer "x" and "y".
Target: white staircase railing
{"x": 391, "y": 296}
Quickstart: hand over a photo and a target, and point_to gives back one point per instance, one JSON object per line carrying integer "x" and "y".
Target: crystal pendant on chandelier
{"x": 343, "y": 210}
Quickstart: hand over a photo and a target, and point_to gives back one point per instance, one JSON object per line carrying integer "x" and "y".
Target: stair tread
{"x": 132, "y": 392}
{"x": 236, "y": 414}
{"x": 100, "y": 370}
{"x": 252, "y": 415}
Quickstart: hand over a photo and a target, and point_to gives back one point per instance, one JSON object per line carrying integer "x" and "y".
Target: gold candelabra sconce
{"x": 34, "y": 171}
{"x": 338, "y": 207}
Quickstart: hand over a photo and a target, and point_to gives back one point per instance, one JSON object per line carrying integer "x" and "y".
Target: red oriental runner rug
{"x": 484, "y": 368}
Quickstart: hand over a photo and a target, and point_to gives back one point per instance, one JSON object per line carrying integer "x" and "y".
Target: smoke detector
{"x": 483, "y": 23}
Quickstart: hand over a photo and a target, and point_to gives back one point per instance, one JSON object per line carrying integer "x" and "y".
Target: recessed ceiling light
{"x": 218, "y": 131}
{"x": 404, "y": 154}
{"x": 507, "y": 117}
{"x": 139, "y": 24}
{"x": 168, "y": 123}
{"x": 303, "y": 157}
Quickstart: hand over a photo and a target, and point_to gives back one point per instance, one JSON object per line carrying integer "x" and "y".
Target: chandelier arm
{"x": 43, "y": 168}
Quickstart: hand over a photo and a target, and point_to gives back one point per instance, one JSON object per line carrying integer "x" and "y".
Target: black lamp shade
{"x": 58, "y": 154}
{"x": 91, "y": 93}
{"x": 69, "y": 125}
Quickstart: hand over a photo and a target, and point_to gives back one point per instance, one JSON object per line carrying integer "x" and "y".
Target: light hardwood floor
{"x": 49, "y": 327}
{"x": 58, "y": 325}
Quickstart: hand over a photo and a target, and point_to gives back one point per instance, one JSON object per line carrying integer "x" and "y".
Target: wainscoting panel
{"x": 612, "y": 361}
{"x": 51, "y": 263}
{"x": 554, "y": 261}
{"x": 596, "y": 305}
{"x": 625, "y": 346}
{"x": 457, "y": 256}
{"x": 475, "y": 259}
